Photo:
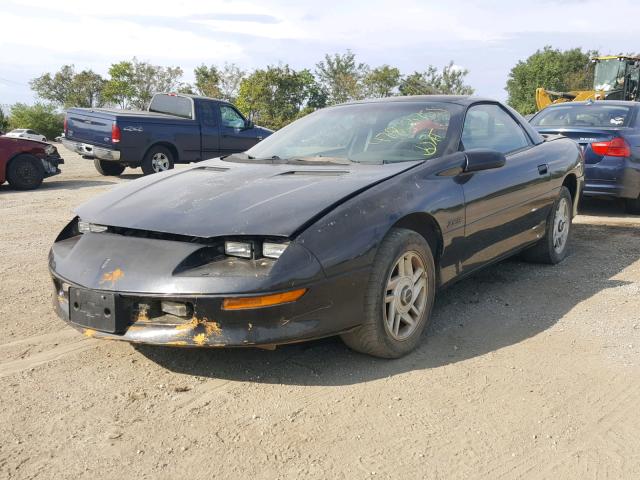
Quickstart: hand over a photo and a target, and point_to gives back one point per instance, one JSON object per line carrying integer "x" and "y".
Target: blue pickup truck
{"x": 176, "y": 128}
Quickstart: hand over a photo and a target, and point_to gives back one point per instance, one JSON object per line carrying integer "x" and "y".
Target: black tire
{"x": 632, "y": 205}
{"x": 373, "y": 337}
{"x": 108, "y": 169}
{"x": 545, "y": 250}
{"x": 149, "y": 165}
{"x": 25, "y": 172}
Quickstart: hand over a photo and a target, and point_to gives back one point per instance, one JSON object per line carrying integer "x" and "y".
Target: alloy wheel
{"x": 405, "y": 296}
{"x": 159, "y": 162}
{"x": 561, "y": 225}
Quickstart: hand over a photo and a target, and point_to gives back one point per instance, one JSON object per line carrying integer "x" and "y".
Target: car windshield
{"x": 376, "y": 132}
{"x": 597, "y": 114}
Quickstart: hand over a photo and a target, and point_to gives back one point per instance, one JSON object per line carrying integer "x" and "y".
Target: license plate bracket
{"x": 97, "y": 310}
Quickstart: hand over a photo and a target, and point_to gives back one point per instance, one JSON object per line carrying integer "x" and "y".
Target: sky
{"x": 486, "y": 37}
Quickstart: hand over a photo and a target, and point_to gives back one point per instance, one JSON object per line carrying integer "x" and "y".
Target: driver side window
{"x": 231, "y": 118}
{"x": 489, "y": 127}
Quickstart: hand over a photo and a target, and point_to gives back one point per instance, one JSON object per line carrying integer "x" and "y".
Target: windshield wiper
{"x": 273, "y": 159}
{"x": 317, "y": 160}
{"x": 277, "y": 160}
{"x": 245, "y": 158}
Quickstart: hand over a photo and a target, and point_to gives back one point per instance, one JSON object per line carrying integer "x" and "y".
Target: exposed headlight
{"x": 273, "y": 250}
{"x": 63, "y": 291}
{"x": 86, "y": 227}
{"x": 50, "y": 150}
{"x": 178, "y": 309}
{"x": 238, "y": 249}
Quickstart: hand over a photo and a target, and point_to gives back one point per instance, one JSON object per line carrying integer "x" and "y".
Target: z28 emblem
{"x": 454, "y": 221}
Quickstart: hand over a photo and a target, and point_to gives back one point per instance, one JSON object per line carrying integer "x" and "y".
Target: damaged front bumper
{"x": 322, "y": 311}
{"x": 50, "y": 163}
{"x": 155, "y": 291}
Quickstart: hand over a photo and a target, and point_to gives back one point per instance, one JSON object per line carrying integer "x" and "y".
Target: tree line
{"x": 278, "y": 94}
{"x": 275, "y": 95}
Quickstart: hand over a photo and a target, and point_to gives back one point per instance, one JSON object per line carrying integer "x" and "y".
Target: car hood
{"x": 218, "y": 198}
{"x": 22, "y": 140}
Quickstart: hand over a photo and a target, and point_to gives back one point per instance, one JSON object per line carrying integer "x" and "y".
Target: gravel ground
{"x": 528, "y": 371}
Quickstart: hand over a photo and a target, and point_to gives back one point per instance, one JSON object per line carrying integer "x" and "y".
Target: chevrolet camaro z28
{"x": 345, "y": 222}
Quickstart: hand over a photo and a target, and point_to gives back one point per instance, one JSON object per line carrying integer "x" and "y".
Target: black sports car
{"x": 345, "y": 222}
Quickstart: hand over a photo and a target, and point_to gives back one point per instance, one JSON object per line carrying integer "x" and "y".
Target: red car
{"x": 25, "y": 163}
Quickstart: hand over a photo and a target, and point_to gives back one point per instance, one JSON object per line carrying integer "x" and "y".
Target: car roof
{"x": 464, "y": 100}
{"x": 614, "y": 103}
{"x": 191, "y": 95}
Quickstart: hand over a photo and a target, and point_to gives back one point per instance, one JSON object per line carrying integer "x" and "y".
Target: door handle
{"x": 543, "y": 169}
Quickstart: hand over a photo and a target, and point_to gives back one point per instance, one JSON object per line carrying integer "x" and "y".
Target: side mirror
{"x": 482, "y": 159}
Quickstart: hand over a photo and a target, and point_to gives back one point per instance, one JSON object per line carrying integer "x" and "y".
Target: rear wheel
{"x": 25, "y": 172}
{"x": 157, "y": 159}
{"x": 633, "y": 205}
{"x": 554, "y": 246}
{"x": 399, "y": 297}
{"x": 110, "y": 169}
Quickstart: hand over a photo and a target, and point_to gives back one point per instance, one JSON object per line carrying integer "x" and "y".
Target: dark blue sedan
{"x": 609, "y": 135}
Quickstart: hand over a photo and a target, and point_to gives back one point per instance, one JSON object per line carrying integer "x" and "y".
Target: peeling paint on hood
{"x": 216, "y": 197}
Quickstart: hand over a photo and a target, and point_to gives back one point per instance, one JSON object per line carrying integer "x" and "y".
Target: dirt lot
{"x": 527, "y": 372}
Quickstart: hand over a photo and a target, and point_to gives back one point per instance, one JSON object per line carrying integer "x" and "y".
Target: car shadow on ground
{"x": 59, "y": 185}
{"x": 605, "y": 207}
{"x": 496, "y": 308}
{"x": 63, "y": 184}
{"x": 131, "y": 176}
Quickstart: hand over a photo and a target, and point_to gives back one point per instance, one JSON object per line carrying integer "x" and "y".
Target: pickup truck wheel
{"x": 25, "y": 172}
{"x": 108, "y": 169}
{"x": 157, "y": 159}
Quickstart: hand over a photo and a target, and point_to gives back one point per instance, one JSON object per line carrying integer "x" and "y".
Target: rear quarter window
{"x": 172, "y": 105}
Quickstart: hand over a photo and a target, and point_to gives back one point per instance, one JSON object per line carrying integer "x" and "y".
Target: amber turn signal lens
{"x": 245, "y": 303}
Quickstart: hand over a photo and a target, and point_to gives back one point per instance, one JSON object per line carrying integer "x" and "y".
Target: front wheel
{"x": 108, "y": 169}
{"x": 158, "y": 159}
{"x": 25, "y": 172}
{"x": 554, "y": 246}
{"x": 399, "y": 297}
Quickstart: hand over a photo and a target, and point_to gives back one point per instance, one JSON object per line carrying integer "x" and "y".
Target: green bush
{"x": 4, "y": 121}
{"x": 43, "y": 118}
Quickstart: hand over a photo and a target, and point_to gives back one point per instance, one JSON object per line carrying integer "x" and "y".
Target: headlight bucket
{"x": 273, "y": 250}
{"x": 238, "y": 249}
{"x": 254, "y": 248}
{"x": 86, "y": 227}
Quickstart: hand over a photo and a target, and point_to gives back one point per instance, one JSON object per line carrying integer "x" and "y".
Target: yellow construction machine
{"x": 616, "y": 77}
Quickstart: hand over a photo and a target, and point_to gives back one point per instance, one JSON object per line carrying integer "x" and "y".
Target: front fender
{"x": 347, "y": 238}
